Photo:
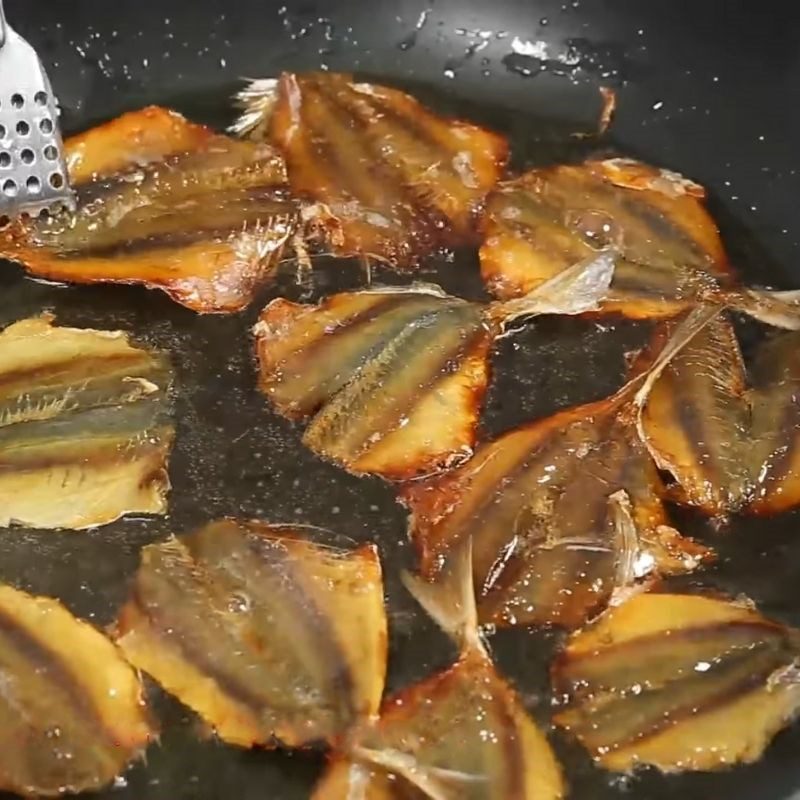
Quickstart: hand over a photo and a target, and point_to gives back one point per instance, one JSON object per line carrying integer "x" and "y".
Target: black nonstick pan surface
{"x": 710, "y": 89}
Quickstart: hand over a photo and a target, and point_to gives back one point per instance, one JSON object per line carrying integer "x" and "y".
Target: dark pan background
{"x": 708, "y": 88}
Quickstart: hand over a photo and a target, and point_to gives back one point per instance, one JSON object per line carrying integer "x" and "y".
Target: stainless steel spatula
{"x": 33, "y": 175}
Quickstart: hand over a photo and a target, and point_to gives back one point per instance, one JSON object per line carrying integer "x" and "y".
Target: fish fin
{"x": 689, "y": 327}
{"x": 576, "y": 290}
{"x": 256, "y": 102}
{"x": 779, "y": 309}
{"x": 450, "y": 599}
{"x": 626, "y": 533}
{"x": 436, "y": 783}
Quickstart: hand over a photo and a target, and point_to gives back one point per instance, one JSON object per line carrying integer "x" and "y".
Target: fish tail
{"x": 450, "y": 599}
{"x": 575, "y": 290}
{"x": 779, "y": 309}
{"x": 435, "y": 783}
{"x": 627, "y": 536}
{"x": 680, "y": 336}
{"x": 256, "y": 102}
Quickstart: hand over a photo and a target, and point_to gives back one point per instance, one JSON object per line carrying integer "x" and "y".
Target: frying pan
{"x": 709, "y": 89}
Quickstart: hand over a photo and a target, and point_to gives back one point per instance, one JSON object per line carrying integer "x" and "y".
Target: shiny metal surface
{"x": 33, "y": 175}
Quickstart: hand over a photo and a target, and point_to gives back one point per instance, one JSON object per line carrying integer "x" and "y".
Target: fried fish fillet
{"x": 461, "y": 734}
{"x": 393, "y": 379}
{"x": 729, "y": 446}
{"x": 680, "y": 682}
{"x": 85, "y": 426}
{"x": 72, "y": 714}
{"x": 671, "y": 254}
{"x": 398, "y": 181}
{"x": 270, "y": 638}
{"x": 167, "y": 204}
{"x": 535, "y": 507}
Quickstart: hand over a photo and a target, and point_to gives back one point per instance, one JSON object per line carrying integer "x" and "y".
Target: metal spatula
{"x": 33, "y": 175}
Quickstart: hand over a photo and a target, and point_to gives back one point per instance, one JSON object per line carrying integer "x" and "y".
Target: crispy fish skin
{"x": 400, "y": 181}
{"x": 541, "y": 222}
{"x": 696, "y": 419}
{"x": 85, "y": 426}
{"x": 134, "y": 139}
{"x": 393, "y": 379}
{"x": 72, "y": 714}
{"x": 168, "y": 204}
{"x": 534, "y": 506}
{"x": 728, "y": 447}
{"x": 775, "y": 382}
{"x": 461, "y": 734}
{"x": 268, "y": 637}
{"x": 679, "y": 682}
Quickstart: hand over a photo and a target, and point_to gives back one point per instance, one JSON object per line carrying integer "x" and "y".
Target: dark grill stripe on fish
{"x": 269, "y": 637}
{"x": 681, "y": 682}
{"x": 384, "y": 392}
{"x": 332, "y": 353}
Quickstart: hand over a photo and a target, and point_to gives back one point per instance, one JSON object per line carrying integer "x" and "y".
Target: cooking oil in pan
{"x": 233, "y": 456}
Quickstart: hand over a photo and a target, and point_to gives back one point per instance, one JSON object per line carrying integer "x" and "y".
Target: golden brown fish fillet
{"x": 680, "y": 682}
{"x": 268, "y": 637}
{"x": 461, "y": 734}
{"x": 72, "y": 714}
{"x": 671, "y": 255}
{"x": 534, "y": 505}
{"x": 728, "y": 447}
{"x": 85, "y": 426}
{"x": 394, "y": 378}
{"x": 167, "y": 204}
{"x": 399, "y": 181}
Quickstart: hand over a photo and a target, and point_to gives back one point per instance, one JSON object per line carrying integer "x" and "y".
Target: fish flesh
{"x": 727, "y": 446}
{"x": 678, "y": 682}
{"x": 85, "y": 426}
{"x": 461, "y": 734}
{"x": 561, "y": 514}
{"x": 168, "y": 204}
{"x": 271, "y": 638}
{"x": 393, "y": 378}
{"x": 385, "y": 177}
{"x": 671, "y": 254}
{"x": 72, "y": 713}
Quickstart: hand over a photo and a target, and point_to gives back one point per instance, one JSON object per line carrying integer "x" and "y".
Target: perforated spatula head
{"x": 33, "y": 174}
